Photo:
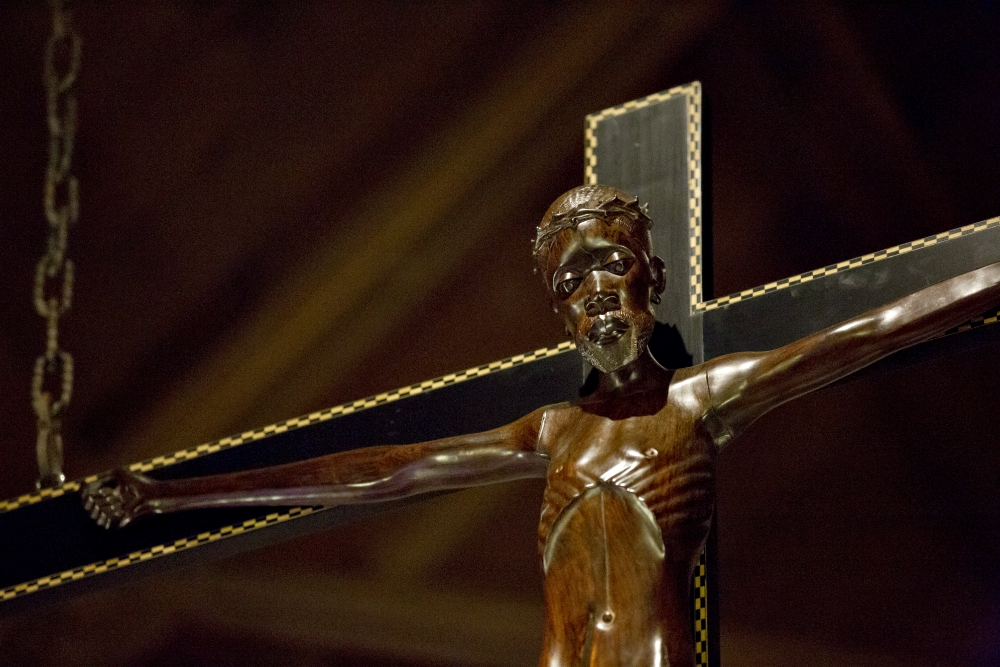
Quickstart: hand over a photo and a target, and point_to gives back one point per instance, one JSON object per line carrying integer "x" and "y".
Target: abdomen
{"x": 612, "y": 594}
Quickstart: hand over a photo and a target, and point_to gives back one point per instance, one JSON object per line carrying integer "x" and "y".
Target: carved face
{"x": 601, "y": 278}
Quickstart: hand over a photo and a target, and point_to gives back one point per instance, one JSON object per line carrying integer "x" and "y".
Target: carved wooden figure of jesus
{"x": 629, "y": 468}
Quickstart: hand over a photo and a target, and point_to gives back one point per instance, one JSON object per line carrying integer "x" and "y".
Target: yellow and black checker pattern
{"x": 700, "y": 611}
{"x": 693, "y": 104}
{"x": 299, "y": 422}
{"x": 233, "y": 441}
{"x": 849, "y": 264}
{"x": 148, "y": 554}
{"x": 692, "y": 94}
{"x": 44, "y": 494}
{"x": 348, "y": 408}
{"x": 989, "y": 317}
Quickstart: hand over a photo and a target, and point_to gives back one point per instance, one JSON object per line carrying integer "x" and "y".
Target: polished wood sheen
{"x": 630, "y": 467}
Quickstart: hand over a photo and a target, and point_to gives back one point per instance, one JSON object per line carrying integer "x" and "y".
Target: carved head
{"x": 593, "y": 249}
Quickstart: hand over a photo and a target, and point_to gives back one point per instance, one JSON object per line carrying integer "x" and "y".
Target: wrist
{"x": 154, "y": 498}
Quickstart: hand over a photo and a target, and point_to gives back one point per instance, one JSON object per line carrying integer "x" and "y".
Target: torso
{"x": 626, "y": 512}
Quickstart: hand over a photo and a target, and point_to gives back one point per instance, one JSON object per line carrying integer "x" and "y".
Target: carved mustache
{"x": 609, "y": 327}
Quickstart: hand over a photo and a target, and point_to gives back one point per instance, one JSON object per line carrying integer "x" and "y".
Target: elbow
{"x": 875, "y": 334}
{"x": 875, "y": 324}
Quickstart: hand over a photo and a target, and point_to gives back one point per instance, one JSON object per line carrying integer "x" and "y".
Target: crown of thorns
{"x": 577, "y": 215}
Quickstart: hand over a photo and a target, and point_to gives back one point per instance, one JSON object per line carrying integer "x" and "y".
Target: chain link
{"x": 53, "y": 293}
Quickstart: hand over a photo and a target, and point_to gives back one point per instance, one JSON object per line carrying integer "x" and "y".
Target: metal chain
{"x": 53, "y": 292}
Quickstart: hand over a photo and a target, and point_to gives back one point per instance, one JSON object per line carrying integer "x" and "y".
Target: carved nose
{"x": 602, "y": 303}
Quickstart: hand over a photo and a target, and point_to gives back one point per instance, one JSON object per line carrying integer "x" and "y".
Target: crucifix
{"x": 652, "y": 149}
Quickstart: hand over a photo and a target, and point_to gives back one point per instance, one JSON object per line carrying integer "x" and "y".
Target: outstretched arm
{"x": 746, "y": 385}
{"x": 370, "y": 474}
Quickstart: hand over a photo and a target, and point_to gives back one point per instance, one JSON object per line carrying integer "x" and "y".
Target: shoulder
{"x": 545, "y": 420}
{"x": 689, "y": 388}
{"x": 551, "y": 415}
{"x": 692, "y": 389}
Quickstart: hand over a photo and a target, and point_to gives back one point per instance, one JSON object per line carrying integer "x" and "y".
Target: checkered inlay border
{"x": 299, "y": 422}
{"x": 692, "y": 94}
{"x": 990, "y": 317}
{"x": 701, "y": 611}
{"x": 233, "y": 441}
{"x": 44, "y": 494}
{"x": 99, "y": 567}
{"x": 903, "y": 249}
{"x": 694, "y": 107}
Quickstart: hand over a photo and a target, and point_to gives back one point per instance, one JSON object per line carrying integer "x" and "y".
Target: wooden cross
{"x": 652, "y": 148}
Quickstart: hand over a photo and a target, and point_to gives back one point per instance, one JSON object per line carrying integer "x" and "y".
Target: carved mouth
{"x": 607, "y": 329}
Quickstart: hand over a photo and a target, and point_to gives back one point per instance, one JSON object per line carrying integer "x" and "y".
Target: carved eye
{"x": 618, "y": 265}
{"x": 568, "y": 286}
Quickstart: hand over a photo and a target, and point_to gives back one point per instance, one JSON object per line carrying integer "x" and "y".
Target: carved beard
{"x": 629, "y": 347}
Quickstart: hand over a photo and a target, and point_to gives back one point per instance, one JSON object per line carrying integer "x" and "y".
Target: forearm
{"x": 297, "y": 483}
{"x": 745, "y": 386}
{"x": 359, "y": 476}
{"x": 370, "y": 474}
{"x": 912, "y": 319}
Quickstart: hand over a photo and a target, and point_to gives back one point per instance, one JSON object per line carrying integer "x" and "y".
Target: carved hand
{"x": 117, "y": 498}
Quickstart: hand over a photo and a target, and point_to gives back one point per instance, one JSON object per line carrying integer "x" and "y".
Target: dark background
{"x": 286, "y": 206}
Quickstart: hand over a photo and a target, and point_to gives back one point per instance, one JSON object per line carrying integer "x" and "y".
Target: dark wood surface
{"x": 838, "y": 132}
{"x": 56, "y": 535}
{"x": 630, "y": 466}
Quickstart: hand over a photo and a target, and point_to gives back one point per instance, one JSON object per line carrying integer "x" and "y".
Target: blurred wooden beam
{"x": 749, "y": 649}
{"x": 350, "y": 290}
{"x": 441, "y": 627}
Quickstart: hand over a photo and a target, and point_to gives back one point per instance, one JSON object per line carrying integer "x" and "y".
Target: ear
{"x": 657, "y": 270}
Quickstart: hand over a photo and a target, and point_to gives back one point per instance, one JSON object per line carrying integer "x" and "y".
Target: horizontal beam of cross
{"x": 56, "y": 544}
{"x": 52, "y": 522}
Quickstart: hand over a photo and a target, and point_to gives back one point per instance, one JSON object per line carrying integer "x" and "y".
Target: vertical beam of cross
{"x": 652, "y": 148}
{"x": 655, "y": 145}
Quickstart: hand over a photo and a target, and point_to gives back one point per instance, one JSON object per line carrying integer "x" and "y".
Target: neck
{"x": 642, "y": 374}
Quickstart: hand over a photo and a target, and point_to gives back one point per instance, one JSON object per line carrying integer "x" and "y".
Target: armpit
{"x": 718, "y": 429}
{"x": 691, "y": 391}
{"x": 549, "y": 415}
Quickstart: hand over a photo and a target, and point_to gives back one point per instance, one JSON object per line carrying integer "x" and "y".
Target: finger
{"x": 88, "y": 502}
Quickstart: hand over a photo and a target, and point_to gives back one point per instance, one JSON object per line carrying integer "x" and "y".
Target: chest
{"x": 591, "y": 448}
